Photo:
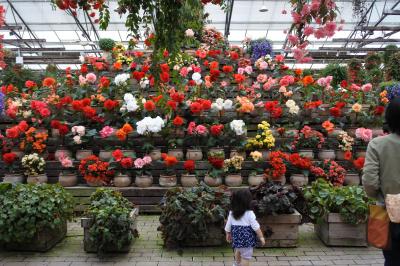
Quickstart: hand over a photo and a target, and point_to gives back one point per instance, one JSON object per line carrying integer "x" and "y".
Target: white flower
{"x": 290, "y": 103}
{"x": 144, "y": 82}
{"x": 121, "y": 79}
{"x": 27, "y": 114}
{"x": 293, "y": 108}
{"x": 149, "y": 125}
{"x": 238, "y": 126}
{"x": 196, "y": 76}
{"x": 128, "y": 97}
{"x": 80, "y": 130}
{"x": 82, "y": 59}
{"x": 228, "y": 104}
{"x": 77, "y": 140}
{"x": 132, "y": 106}
{"x": 216, "y": 107}
{"x": 189, "y": 33}
{"x": 144, "y": 101}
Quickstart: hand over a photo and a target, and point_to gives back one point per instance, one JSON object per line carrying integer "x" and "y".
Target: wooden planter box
{"x": 43, "y": 241}
{"x": 284, "y": 227}
{"x": 334, "y": 232}
{"x": 215, "y": 237}
{"x": 91, "y": 247}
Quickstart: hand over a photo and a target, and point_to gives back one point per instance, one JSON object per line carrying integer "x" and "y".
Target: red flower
{"x": 145, "y": 68}
{"x": 9, "y": 158}
{"x": 149, "y": 105}
{"x": 164, "y": 76}
{"x": 276, "y": 112}
{"x": 234, "y": 55}
{"x": 205, "y": 104}
{"x": 104, "y": 82}
{"x": 335, "y": 111}
{"x": 348, "y": 155}
{"x": 340, "y": 105}
{"x": 44, "y": 112}
{"x": 165, "y": 53}
{"x": 138, "y": 75}
{"x": 8, "y": 89}
{"x": 164, "y": 68}
{"x": 214, "y": 65}
{"x": 216, "y": 130}
{"x": 239, "y": 78}
{"x": 170, "y": 160}
{"x": 379, "y": 110}
{"x": 189, "y": 165}
{"x": 66, "y": 100}
{"x": 227, "y": 69}
{"x": 127, "y": 162}
{"x": 77, "y": 105}
{"x": 30, "y": 84}
{"x": 178, "y": 121}
{"x": 86, "y": 101}
{"x": 12, "y": 132}
{"x": 23, "y": 126}
{"x": 172, "y": 104}
{"x": 84, "y": 69}
{"x": 217, "y": 163}
{"x": 196, "y": 108}
{"x": 270, "y": 105}
{"x": 118, "y": 155}
{"x": 63, "y": 129}
{"x": 343, "y": 84}
{"x": 89, "y": 111}
{"x": 110, "y": 104}
{"x": 55, "y": 124}
{"x": 359, "y": 163}
{"x": 177, "y": 97}
{"x": 48, "y": 82}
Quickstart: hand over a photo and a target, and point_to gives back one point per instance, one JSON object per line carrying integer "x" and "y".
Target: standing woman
{"x": 382, "y": 172}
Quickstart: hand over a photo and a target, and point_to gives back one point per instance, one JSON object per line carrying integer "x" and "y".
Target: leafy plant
{"x": 27, "y": 209}
{"x": 350, "y": 202}
{"x": 17, "y": 75}
{"x": 110, "y": 213}
{"x": 273, "y": 199}
{"x": 106, "y": 44}
{"x": 393, "y": 66}
{"x": 187, "y": 214}
{"x": 389, "y": 50}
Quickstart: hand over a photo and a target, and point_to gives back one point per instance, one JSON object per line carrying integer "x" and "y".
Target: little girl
{"x": 242, "y": 227}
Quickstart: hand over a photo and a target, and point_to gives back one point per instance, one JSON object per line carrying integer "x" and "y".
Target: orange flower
{"x": 127, "y": 128}
{"x": 48, "y": 82}
{"x": 121, "y": 135}
{"x": 117, "y": 65}
{"x": 170, "y": 160}
{"x": 308, "y": 80}
{"x": 298, "y": 71}
{"x": 328, "y": 126}
{"x": 246, "y": 106}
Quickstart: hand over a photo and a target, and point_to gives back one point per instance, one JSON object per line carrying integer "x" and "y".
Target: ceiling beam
{"x": 365, "y": 40}
{"x": 11, "y": 27}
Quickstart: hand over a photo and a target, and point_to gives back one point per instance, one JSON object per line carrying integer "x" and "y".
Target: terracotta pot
{"x": 352, "y": 179}
{"x": 167, "y": 180}
{"x": 105, "y": 155}
{"x": 194, "y": 154}
{"x": 122, "y": 180}
{"x": 299, "y": 180}
{"x": 351, "y": 131}
{"x": 216, "y": 150}
{"x": 61, "y": 151}
{"x": 307, "y": 153}
{"x": 255, "y": 180}
{"x": 189, "y": 181}
{"x": 326, "y": 154}
{"x": 155, "y": 154}
{"x": 68, "y": 179}
{"x": 178, "y": 153}
{"x": 281, "y": 180}
{"x": 13, "y": 178}
{"x": 212, "y": 182}
{"x": 376, "y": 132}
{"x": 144, "y": 181}
{"x": 340, "y": 155}
{"x": 18, "y": 153}
{"x": 233, "y": 180}
{"x": 37, "y": 179}
{"x": 236, "y": 152}
{"x": 94, "y": 183}
{"x": 265, "y": 154}
{"x": 55, "y": 133}
{"x": 361, "y": 153}
{"x": 82, "y": 154}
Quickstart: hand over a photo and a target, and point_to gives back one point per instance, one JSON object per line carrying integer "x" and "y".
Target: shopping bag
{"x": 393, "y": 207}
{"x": 378, "y": 227}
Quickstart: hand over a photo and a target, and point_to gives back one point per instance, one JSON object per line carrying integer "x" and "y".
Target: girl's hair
{"x": 392, "y": 115}
{"x": 241, "y": 202}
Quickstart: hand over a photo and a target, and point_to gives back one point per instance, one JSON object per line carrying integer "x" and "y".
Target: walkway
{"x": 148, "y": 251}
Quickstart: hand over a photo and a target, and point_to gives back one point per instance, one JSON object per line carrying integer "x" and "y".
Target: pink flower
{"x": 282, "y": 89}
{"x": 263, "y": 65}
{"x": 279, "y": 58}
{"x": 147, "y": 159}
{"x": 315, "y": 5}
{"x": 293, "y": 39}
{"x": 319, "y": 33}
{"x": 306, "y": 10}
{"x": 191, "y": 128}
{"x": 296, "y": 17}
{"x": 66, "y": 162}
{"x": 201, "y": 130}
{"x": 139, "y": 163}
{"x": 366, "y": 87}
{"x": 364, "y": 133}
{"x": 184, "y": 71}
{"x": 224, "y": 83}
{"x": 248, "y": 69}
{"x": 308, "y": 30}
{"x": 91, "y": 78}
{"x": 262, "y": 78}
{"x": 298, "y": 54}
{"x": 82, "y": 80}
{"x": 307, "y": 59}
{"x": 355, "y": 87}
{"x": 106, "y": 132}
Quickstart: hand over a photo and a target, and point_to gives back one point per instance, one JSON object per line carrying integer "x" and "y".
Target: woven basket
{"x": 393, "y": 207}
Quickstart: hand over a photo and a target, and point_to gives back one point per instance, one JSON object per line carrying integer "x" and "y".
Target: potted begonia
{"x": 122, "y": 134}
{"x": 121, "y": 163}
{"x": 216, "y": 140}
{"x": 189, "y": 178}
{"x": 106, "y": 45}
{"x": 346, "y": 143}
{"x": 277, "y": 169}
{"x": 68, "y": 176}
{"x": 299, "y": 166}
{"x": 149, "y": 127}
{"x": 307, "y": 140}
{"x": 34, "y": 167}
{"x": 256, "y": 176}
{"x": 143, "y": 177}
{"x": 263, "y": 140}
{"x": 195, "y": 136}
{"x": 105, "y": 154}
{"x": 95, "y": 172}
{"x": 329, "y": 170}
{"x": 363, "y": 137}
{"x": 34, "y": 141}
{"x": 214, "y": 175}
{"x": 168, "y": 178}
{"x": 352, "y": 177}
{"x": 12, "y": 175}
{"x": 237, "y": 132}
{"x": 79, "y": 137}
{"x": 232, "y": 169}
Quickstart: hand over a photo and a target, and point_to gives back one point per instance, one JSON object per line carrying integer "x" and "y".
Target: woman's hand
{"x": 262, "y": 241}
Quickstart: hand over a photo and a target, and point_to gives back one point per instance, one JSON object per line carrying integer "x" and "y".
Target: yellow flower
{"x": 356, "y": 107}
{"x": 256, "y": 155}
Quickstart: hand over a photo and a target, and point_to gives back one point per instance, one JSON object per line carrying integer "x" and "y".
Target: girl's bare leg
{"x": 245, "y": 262}
{"x": 238, "y": 258}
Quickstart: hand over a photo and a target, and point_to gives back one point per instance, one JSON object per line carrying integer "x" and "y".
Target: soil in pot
{"x": 233, "y": 180}
{"x": 13, "y": 178}
{"x": 122, "y": 180}
{"x": 37, "y": 179}
{"x": 194, "y": 154}
{"x": 255, "y": 180}
{"x": 167, "y": 180}
{"x": 212, "y": 182}
{"x": 189, "y": 181}
{"x": 68, "y": 179}
{"x": 144, "y": 181}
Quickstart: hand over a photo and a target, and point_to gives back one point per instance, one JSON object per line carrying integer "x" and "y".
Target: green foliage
{"x": 27, "y": 209}
{"x": 389, "y": 51}
{"x": 17, "y": 75}
{"x": 337, "y": 71}
{"x": 350, "y": 202}
{"x": 187, "y": 214}
{"x": 372, "y": 61}
{"x": 106, "y": 44}
{"x": 110, "y": 213}
{"x": 393, "y": 66}
{"x": 273, "y": 199}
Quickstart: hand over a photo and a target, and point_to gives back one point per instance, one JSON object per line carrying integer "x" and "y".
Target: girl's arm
{"x": 256, "y": 227}
{"x": 228, "y": 229}
{"x": 260, "y": 236}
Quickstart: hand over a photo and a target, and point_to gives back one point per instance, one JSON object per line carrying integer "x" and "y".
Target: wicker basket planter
{"x": 215, "y": 237}
{"x": 91, "y": 247}
{"x": 334, "y": 232}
